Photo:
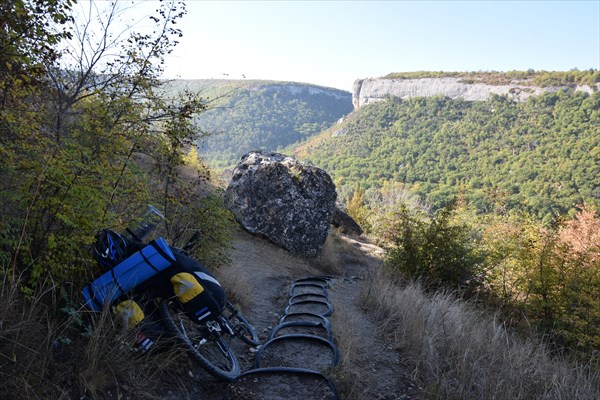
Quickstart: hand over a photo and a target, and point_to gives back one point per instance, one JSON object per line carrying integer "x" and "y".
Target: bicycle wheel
{"x": 203, "y": 341}
{"x": 241, "y": 327}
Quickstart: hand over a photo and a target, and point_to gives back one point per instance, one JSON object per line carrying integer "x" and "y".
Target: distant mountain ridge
{"x": 263, "y": 115}
{"x": 222, "y": 88}
{"x": 299, "y": 88}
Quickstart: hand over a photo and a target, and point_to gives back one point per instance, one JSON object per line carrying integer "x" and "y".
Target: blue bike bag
{"x": 129, "y": 273}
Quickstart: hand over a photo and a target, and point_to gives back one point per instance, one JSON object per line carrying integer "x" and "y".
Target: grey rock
{"x": 284, "y": 200}
{"x": 345, "y": 223}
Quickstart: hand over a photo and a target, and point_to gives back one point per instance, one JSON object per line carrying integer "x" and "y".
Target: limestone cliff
{"x": 369, "y": 90}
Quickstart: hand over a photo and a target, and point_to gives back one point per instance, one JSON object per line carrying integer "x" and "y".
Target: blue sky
{"x": 332, "y": 43}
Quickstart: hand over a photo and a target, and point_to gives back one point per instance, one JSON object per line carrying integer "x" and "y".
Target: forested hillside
{"x": 541, "y": 155}
{"x": 265, "y": 115}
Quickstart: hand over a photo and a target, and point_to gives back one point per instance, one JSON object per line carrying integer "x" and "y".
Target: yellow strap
{"x": 186, "y": 287}
{"x": 131, "y": 313}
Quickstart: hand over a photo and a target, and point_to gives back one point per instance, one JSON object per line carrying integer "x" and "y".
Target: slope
{"x": 540, "y": 155}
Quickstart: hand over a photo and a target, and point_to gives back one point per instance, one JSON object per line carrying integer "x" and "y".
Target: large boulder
{"x": 288, "y": 202}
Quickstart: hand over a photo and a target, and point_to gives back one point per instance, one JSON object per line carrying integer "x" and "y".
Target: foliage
{"x": 356, "y": 208}
{"x": 577, "y": 254}
{"x": 205, "y": 228}
{"x": 88, "y": 138}
{"x": 545, "y": 277}
{"x": 538, "y": 156}
{"x": 91, "y": 141}
{"x": 30, "y": 31}
{"x": 551, "y": 274}
{"x": 440, "y": 250}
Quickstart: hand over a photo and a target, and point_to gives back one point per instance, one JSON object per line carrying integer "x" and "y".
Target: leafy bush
{"x": 206, "y": 227}
{"x": 356, "y": 208}
{"x": 439, "y": 251}
{"x": 84, "y": 145}
{"x": 552, "y": 275}
{"x": 85, "y": 149}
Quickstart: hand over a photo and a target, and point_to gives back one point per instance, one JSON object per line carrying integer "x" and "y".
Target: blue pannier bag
{"x": 129, "y": 273}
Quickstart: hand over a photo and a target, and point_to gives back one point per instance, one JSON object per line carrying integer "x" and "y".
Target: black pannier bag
{"x": 198, "y": 291}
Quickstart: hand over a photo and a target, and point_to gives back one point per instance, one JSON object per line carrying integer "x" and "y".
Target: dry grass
{"x": 351, "y": 346}
{"x": 237, "y": 286}
{"x": 458, "y": 353}
{"x": 50, "y": 355}
{"x": 24, "y": 346}
{"x": 110, "y": 368}
{"x": 331, "y": 260}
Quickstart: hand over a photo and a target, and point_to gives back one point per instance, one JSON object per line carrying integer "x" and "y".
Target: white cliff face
{"x": 370, "y": 90}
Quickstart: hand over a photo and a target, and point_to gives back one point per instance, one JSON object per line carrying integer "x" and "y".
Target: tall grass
{"x": 25, "y": 346}
{"x": 108, "y": 366}
{"x": 329, "y": 261}
{"x": 459, "y": 353}
{"x": 45, "y": 354}
{"x": 351, "y": 345}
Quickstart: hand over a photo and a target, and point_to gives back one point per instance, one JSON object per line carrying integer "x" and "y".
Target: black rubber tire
{"x": 241, "y": 327}
{"x": 335, "y": 354}
{"x": 315, "y": 288}
{"x": 293, "y": 371}
{"x": 306, "y": 324}
{"x": 308, "y": 315}
{"x": 214, "y": 354}
{"x": 326, "y": 304}
{"x": 307, "y": 296}
{"x": 324, "y": 280}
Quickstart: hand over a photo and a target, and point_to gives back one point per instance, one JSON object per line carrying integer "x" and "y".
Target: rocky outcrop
{"x": 288, "y": 202}
{"x": 345, "y": 223}
{"x": 370, "y": 90}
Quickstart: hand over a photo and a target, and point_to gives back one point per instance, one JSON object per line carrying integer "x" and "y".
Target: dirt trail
{"x": 376, "y": 370}
{"x": 261, "y": 275}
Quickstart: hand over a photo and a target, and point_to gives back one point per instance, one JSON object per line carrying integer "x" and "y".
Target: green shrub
{"x": 440, "y": 250}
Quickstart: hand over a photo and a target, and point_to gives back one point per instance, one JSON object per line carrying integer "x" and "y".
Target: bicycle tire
{"x": 208, "y": 348}
{"x": 242, "y": 329}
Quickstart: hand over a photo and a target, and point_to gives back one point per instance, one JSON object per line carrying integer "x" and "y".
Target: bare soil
{"x": 260, "y": 277}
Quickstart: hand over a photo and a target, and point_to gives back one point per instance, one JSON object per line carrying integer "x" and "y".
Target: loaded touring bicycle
{"x": 160, "y": 290}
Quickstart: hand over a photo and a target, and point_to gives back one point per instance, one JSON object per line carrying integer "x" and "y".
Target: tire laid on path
{"x": 298, "y": 384}
{"x": 323, "y": 308}
{"x": 308, "y": 327}
{"x": 306, "y": 316}
{"x": 299, "y": 349}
